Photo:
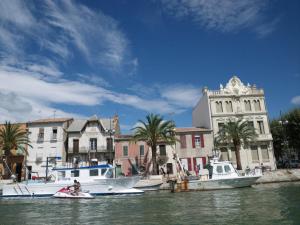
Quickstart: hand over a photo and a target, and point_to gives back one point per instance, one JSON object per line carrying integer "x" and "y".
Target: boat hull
{"x": 97, "y": 187}
{"x": 216, "y": 184}
{"x": 148, "y": 185}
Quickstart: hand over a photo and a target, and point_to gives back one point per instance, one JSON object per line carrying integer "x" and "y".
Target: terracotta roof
{"x": 190, "y": 129}
{"x": 51, "y": 120}
{"x": 123, "y": 137}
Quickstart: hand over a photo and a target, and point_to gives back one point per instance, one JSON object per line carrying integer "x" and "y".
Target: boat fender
{"x": 110, "y": 188}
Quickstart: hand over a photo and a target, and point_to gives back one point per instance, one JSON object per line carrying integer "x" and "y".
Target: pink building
{"x": 131, "y": 156}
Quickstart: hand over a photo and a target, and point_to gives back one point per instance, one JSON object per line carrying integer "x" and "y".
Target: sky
{"x": 135, "y": 57}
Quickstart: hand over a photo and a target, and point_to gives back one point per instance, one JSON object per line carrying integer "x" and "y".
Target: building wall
{"x": 49, "y": 147}
{"x": 191, "y": 155}
{"x": 202, "y": 108}
{"x": 134, "y": 157}
{"x": 237, "y": 93}
{"x": 92, "y": 130}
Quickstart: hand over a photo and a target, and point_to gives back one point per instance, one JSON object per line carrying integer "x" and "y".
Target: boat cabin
{"x": 83, "y": 174}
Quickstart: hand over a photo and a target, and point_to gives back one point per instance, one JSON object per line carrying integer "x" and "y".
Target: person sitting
{"x": 76, "y": 187}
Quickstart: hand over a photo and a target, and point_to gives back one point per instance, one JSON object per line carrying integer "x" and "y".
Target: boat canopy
{"x": 104, "y": 166}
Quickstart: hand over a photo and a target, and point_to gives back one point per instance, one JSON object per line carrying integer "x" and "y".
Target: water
{"x": 263, "y": 204}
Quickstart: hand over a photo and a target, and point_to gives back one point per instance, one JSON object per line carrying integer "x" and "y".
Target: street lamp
{"x": 47, "y": 162}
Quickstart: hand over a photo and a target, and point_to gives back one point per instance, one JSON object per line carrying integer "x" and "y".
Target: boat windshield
{"x": 109, "y": 173}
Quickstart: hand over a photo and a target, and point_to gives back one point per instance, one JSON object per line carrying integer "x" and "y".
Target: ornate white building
{"x": 232, "y": 102}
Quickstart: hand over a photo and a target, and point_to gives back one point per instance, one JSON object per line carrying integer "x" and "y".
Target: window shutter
{"x": 204, "y": 161}
{"x": 189, "y": 164}
{"x": 202, "y": 140}
{"x": 195, "y": 164}
{"x": 182, "y": 141}
{"x": 193, "y": 140}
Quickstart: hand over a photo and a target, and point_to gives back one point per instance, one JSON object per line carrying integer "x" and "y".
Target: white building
{"x": 233, "y": 102}
{"x": 92, "y": 139}
{"x": 48, "y": 139}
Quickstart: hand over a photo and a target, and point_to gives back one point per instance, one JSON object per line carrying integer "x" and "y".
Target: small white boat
{"x": 69, "y": 193}
{"x": 220, "y": 175}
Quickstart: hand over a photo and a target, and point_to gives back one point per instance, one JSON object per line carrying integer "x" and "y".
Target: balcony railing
{"x": 101, "y": 148}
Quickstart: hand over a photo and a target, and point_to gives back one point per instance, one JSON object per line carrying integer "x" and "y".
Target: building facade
{"x": 194, "y": 147}
{"x": 232, "y": 102}
{"x": 92, "y": 139}
{"x": 48, "y": 138}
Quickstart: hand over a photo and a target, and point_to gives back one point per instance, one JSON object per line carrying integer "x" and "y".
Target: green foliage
{"x": 13, "y": 137}
{"x": 286, "y": 128}
{"x": 153, "y": 131}
{"x": 238, "y": 133}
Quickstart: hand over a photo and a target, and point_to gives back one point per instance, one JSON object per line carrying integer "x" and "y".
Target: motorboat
{"x": 98, "y": 180}
{"x": 219, "y": 175}
{"x": 67, "y": 192}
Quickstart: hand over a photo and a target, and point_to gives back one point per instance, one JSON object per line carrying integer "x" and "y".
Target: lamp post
{"x": 47, "y": 164}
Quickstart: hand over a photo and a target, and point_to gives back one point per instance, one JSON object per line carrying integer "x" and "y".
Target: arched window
{"x": 257, "y": 105}
{"x": 247, "y": 105}
{"x": 229, "y": 106}
{"x": 219, "y": 107}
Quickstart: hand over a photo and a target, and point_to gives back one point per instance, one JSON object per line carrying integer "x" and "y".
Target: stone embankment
{"x": 281, "y": 175}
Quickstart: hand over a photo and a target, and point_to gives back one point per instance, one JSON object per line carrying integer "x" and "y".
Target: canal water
{"x": 262, "y": 204}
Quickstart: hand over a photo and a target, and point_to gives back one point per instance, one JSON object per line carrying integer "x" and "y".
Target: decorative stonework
{"x": 235, "y": 86}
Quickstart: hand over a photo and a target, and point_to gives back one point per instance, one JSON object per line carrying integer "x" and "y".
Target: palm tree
{"x": 12, "y": 136}
{"x": 239, "y": 133}
{"x": 155, "y": 130}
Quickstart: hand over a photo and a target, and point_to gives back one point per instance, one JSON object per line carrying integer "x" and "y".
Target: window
{"x": 219, "y": 169}
{"x": 162, "y": 150}
{"x": 227, "y": 169}
{"x": 142, "y": 150}
{"x": 254, "y": 153}
{"x": 75, "y": 173}
{"x": 197, "y": 141}
{"x": 182, "y": 141}
{"x": 103, "y": 171}
{"x": 257, "y": 105}
{"x": 247, "y": 105}
{"x": 125, "y": 150}
{"x": 251, "y": 124}
{"x": 219, "y": 107}
{"x": 229, "y": 106}
{"x": 261, "y": 127}
{"x": 93, "y": 144}
{"x": 94, "y": 172}
{"x": 109, "y": 144}
{"x": 220, "y": 126}
{"x": 264, "y": 152}
{"x": 41, "y": 134}
{"x": 224, "y": 154}
{"x": 54, "y": 133}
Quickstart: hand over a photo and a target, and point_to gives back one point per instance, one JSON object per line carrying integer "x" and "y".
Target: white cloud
{"x": 296, "y": 100}
{"x": 34, "y": 94}
{"x": 64, "y": 27}
{"x": 182, "y": 95}
{"x": 221, "y": 15}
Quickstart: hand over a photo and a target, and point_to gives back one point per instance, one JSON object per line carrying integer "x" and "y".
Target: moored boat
{"x": 98, "y": 180}
{"x": 219, "y": 175}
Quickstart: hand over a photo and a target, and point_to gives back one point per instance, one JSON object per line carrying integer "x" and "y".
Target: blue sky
{"x": 80, "y": 58}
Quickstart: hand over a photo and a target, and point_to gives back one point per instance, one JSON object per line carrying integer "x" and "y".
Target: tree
{"x": 238, "y": 133}
{"x": 12, "y": 137}
{"x": 286, "y": 132}
{"x": 153, "y": 131}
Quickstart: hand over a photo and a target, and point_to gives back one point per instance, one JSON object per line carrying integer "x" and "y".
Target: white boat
{"x": 220, "y": 175}
{"x": 68, "y": 193}
{"x": 98, "y": 180}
